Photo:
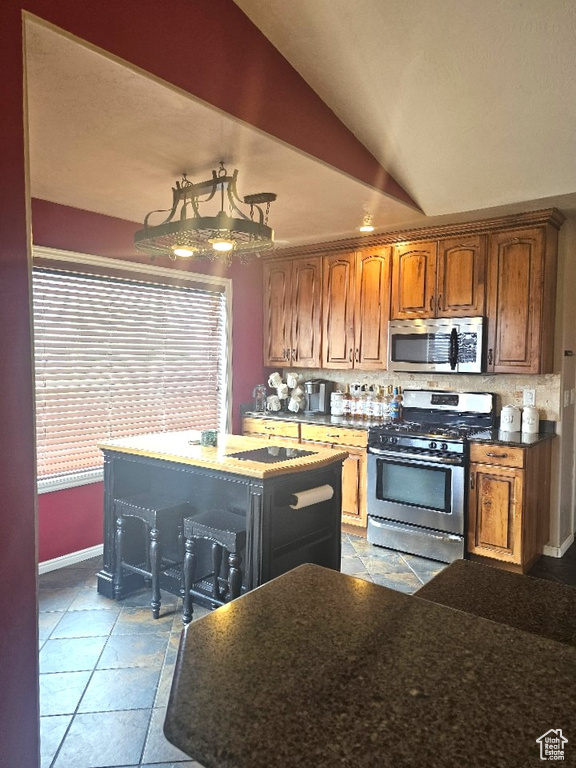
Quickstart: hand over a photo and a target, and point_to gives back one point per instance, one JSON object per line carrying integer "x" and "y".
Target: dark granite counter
{"x": 533, "y": 605}
{"x": 518, "y": 439}
{"x": 317, "y": 669}
{"x": 313, "y": 418}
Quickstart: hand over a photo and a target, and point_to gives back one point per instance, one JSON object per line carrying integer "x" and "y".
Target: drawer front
{"x": 334, "y": 435}
{"x": 502, "y": 455}
{"x": 271, "y": 427}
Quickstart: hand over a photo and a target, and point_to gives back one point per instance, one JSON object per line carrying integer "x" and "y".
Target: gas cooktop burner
{"x": 455, "y": 431}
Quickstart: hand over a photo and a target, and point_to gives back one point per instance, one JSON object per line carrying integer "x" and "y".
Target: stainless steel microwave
{"x": 442, "y": 344}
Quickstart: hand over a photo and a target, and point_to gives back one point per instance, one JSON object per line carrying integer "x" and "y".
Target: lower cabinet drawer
{"x": 502, "y": 455}
{"x": 334, "y": 435}
{"x": 271, "y": 427}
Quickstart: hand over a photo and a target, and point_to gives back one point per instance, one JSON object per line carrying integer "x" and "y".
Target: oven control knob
{"x": 393, "y": 440}
{"x": 433, "y": 445}
{"x": 444, "y": 446}
{"x": 383, "y": 438}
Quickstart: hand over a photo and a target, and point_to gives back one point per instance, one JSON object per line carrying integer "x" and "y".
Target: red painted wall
{"x": 71, "y": 520}
{"x": 220, "y": 57}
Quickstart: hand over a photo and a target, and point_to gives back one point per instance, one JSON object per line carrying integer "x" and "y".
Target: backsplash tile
{"x": 508, "y": 387}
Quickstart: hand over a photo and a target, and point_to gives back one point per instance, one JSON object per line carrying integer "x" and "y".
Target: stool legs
{"x": 235, "y": 577}
{"x": 216, "y": 565}
{"x": 118, "y": 548}
{"x": 155, "y": 569}
{"x": 189, "y": 573}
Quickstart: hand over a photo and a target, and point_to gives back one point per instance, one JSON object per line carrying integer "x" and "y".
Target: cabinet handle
{"x": 350, "y": 355}
{"x": 489, "y": 357}
{"x": 357, "y": 355}
{"x": 335, "y": 435}
{"x": 285, "y": 354}
{"x": 497, "y": 455}
{"x": 431, "y": 303}
{"x": 294, "y": 355}
{"x": 439, "y": 303}
{"x": 471, "y": 481}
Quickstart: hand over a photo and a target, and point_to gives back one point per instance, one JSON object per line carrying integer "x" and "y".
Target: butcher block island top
{"x": 264, "y": 459}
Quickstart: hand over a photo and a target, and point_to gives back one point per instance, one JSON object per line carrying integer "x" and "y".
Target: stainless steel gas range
{"x": 417, "y": 472}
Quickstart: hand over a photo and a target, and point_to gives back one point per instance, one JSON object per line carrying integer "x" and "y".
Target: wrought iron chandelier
{"x": 213, "y": 233}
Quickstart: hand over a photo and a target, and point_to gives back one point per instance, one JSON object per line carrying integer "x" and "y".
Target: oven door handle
{"x": 412, "y": 458}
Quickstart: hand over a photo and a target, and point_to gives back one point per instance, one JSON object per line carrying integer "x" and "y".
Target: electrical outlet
{"x": 572, "y": 391}
{"x": 566, "y": 398}
{"x": 529, "y": 397}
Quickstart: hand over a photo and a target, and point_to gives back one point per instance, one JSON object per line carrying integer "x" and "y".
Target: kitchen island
{"x": 247, "y": 476}
{"x": 351, "y": 674}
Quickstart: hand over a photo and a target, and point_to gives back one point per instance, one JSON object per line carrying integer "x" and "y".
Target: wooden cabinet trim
{"x": 550, "y": 216}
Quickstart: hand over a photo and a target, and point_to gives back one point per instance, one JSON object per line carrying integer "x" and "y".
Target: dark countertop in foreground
{"x": 519, "y": 439}
{"x": 533, "y": 605}
{"x": 317, "y": 669}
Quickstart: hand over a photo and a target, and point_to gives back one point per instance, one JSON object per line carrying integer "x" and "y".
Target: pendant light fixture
{"x": 208, "y": 220}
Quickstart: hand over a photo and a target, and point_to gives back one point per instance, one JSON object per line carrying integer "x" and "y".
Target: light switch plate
{"x": 529, "y": 397}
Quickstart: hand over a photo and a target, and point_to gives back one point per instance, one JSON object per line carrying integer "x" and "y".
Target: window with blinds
{"x": 119, "y": 357}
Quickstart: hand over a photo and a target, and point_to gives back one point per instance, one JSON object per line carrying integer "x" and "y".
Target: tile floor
{"x": 106, "y": 666}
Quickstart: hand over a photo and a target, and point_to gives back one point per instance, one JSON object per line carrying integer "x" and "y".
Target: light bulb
{"x": 183, "y": 251}
{"x": 366, "y": 224}
{"x": 221, "y": 244}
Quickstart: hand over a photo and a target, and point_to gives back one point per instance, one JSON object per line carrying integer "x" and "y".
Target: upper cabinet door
{"x": 372, "y": 308}
{"x": 306, "y": 344}
{"x": 338, "y": 311}
{"x": 515, "y": 301}
{"x": 414, "y": 280}
{"x": 277, "y": 312}
{"x": 461, "y": 269}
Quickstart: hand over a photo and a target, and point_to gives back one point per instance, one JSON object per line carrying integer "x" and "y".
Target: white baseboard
{"x": 73, "y": 557}
{"x": 562, "y": 549}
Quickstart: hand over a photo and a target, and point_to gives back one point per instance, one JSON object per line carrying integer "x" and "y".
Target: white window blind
{"x": 118, "y": 357}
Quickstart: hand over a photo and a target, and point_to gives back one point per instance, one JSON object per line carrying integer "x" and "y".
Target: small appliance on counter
{"x": 318, "y": 393}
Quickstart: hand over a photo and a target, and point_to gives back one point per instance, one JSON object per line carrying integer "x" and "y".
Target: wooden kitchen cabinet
{"x": 439, "y": 279}
{"x": 509, "y": 503}
{"x": 521, "y": 300}
{"x": 354, "y": 469}
{"x": 292, "y": 312}
{"x": 287, "y": 430}
{"x": 413, "y": 280}
{"x": 356, "y": 306}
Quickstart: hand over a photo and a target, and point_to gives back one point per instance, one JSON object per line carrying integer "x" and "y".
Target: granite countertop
{"x": 518, "y": 439}
{"x": 533, "y": 605}
{"x": 313, "y": 418}
{"x": 317, "y": 669}
{"x": 182, "y": 447}
{"x": 494, "y": 436}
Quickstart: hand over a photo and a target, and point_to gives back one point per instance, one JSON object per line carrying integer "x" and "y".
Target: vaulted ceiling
{"x": 470, "y": 106}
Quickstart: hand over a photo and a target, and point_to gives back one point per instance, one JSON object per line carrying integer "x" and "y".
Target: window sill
{"x": 71, "y": 481}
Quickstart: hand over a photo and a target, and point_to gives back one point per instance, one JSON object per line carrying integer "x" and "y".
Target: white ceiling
{"x": 109, "y": 139}
{"x": 469, "y": 105}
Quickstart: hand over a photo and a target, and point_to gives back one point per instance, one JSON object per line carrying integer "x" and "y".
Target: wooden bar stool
{"x": 162, "y": 517}
{"x": 226, "y": 533}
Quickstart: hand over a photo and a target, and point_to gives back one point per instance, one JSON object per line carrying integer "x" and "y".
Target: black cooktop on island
{"x": 272, "y": 454}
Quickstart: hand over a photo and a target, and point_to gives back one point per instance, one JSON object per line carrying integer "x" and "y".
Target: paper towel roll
{"x": 312, "y": 496}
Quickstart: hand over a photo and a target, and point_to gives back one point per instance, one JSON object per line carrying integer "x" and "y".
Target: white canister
{"x": 510, "y": 419}
{"x": 337, "y": 403}
{"x": 530, "y": 420}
